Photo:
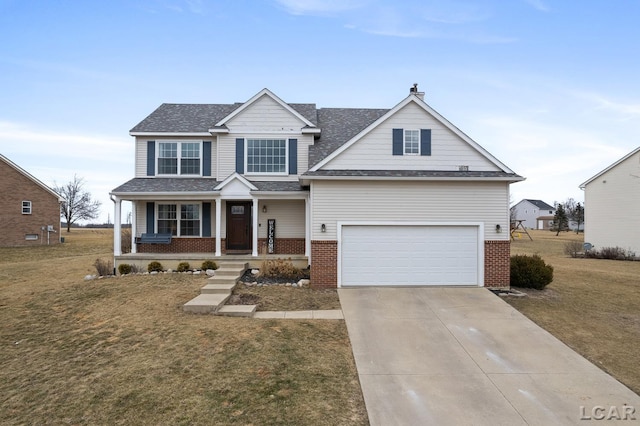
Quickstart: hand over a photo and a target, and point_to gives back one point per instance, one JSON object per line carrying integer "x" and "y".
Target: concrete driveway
{"x": 464, "y": 356}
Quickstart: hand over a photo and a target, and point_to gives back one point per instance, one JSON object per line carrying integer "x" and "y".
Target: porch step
{"x": 224, "y": 280}
{"x": 236, "y": 310}
{"x": 205, "y": 303}
{"x": 218, "y": 288}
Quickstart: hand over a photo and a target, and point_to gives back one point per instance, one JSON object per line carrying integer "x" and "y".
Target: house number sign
{"x": 271, "y": 235}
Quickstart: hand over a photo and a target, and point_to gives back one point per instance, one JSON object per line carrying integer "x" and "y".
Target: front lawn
{"x": 121, "y": 351}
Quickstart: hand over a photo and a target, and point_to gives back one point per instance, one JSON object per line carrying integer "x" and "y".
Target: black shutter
{"x": 206, "y": 158}
{"x": 293, "y": 156}
{"x": 240, "y": 156}
{"x": 206, "y": 219}
{"x": 151, "y": 158}
{"x": 398, "y": 143}
{"x": 425, "y": 141}
{"x": 150, "y": 218}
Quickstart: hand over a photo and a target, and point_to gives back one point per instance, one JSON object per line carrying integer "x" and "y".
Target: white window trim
{"x": 286, "y": 157}
{"x": 404, "y": 141}
{"x": 179, "y": 142}
{"x": 178, "y": 211}
{"x": 30, "y": 207}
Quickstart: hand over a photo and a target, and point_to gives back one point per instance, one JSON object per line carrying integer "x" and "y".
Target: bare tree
{"x": 78, "y": 204}
{"x": 575, "y": 212}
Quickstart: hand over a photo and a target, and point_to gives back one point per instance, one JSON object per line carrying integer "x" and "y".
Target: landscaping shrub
{"x": 103, "y": 267}
{"x": 573, "y": 249}
{"x": 612, "y": 253}
{"x": 530, "y": 272}
{"x": 124, "y": 268}
{"x": 183, "y": 267}
{"x": 155, "y": 266}
{"x": 209, "y": 264}
{"x": 279, "y": 268}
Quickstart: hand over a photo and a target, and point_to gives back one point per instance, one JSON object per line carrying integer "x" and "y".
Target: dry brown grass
{"x": 121, "y": 351}
{"x": 281, "y": 298}
{"x": 592, "y": 305}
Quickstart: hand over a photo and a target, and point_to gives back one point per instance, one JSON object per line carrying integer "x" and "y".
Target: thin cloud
{"x": 538, "y": 5}
{"x": 319, "y": 7}
{"x": 600, "y": 102}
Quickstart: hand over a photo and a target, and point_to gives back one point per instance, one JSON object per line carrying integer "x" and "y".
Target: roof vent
{"x": 414, "y": 91}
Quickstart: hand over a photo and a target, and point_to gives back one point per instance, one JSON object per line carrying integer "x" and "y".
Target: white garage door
{"x": 408, "y": 255}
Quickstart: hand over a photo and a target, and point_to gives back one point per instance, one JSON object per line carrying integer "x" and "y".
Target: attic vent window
{"x": 463, "y": 168}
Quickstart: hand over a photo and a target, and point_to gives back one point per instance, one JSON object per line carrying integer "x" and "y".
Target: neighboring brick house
{"x": 29, "y": 209}
{"x": 386, "y": 197}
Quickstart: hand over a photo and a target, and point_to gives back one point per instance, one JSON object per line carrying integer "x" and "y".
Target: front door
{"x": 238, "y": 226}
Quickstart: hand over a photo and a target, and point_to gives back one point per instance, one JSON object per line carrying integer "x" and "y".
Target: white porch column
{"x": 218, "y": 227}
{"x": 134, "y": 227}
{"x": 254, "y": 216}
{"x": 117, "y": 228}
{"x": 307, "y": 229}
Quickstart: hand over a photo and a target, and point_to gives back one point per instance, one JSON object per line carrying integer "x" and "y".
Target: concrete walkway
{"x": 462, "y": 356}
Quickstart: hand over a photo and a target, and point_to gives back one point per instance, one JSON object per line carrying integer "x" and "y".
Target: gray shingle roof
{"x": 185, "y": 118}
{"x": 141, "y": 185}
{"x": 541, "y": 204}
{"x": 338, "y": 125}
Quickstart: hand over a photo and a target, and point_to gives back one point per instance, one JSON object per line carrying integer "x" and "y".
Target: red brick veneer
{"x": 324, "y": 267}
{"x": 181, "y": 245}
{"x": 497, "y": 263}
{"x": 283, "y": 246}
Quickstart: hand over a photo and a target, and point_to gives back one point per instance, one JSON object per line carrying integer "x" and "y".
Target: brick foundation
{"x": 497, "y": 263}
{"x": 324, "y": 270}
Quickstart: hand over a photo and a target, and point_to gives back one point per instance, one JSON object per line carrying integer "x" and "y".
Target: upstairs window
{"x": 267, "y": 156}
{"x": 26, "y": 207}
{"x": 179, "y": 158}
{"x": 412, "y": 142}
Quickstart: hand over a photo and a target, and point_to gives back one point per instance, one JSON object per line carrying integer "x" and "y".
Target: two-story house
{"x": 394, "y": 196}
{"x": 29, "y": 209}
{"x": 534, "y": 214}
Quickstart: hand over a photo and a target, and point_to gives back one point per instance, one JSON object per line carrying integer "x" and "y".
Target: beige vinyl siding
{"x": 611, "y": 205}
{"x": 227, "y": 154}
{"x": 430, "y": 201}
{"x": 289, "y": 216}
{"x": 265, "y": 114}
{"x": 374, "y": 151}
{"x": 141, "y": 152}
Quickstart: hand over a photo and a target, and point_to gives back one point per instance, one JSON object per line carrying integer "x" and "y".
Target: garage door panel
{"x": 409, "y": 255}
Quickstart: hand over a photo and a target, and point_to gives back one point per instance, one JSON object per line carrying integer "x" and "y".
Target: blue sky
{"x": 550, "y": 88}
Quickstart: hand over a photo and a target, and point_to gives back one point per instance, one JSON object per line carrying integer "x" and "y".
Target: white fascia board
{"x": 422, "y": 104}
{"x": 219, "y": 131}
{"x": 585, "y": 183}
{"x": 202, "y": 195}
{"x": 236, "y": 176}
{"x": 267, "y": 92}
{"x": 277, "y": 195}
{"x": 311, "y": 131}
{"x": 170, "y": 134}
{"x": 304, "y": 180}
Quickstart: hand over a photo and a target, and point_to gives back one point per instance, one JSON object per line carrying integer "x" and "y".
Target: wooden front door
{"x": 239, "y": 225}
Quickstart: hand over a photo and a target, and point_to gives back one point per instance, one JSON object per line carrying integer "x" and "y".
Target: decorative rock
{"x": 89, "y": 277}
{"x": 210, "y": 272}
{"x": 197, "y": 272}
{"x": 287, "y": 285}
{"x": 294, "y": 285}
{"x": 153, "y": 272}
{"x": 255, "y": 271}
{"x": 169, "y": 271}
{"x": 304, "y": 282}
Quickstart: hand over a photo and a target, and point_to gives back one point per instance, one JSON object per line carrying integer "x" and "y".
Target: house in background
{"x": 385, "y": 197}
{"x": 612, "y": 205}
{"x": 534, "y": 214}
{"x": 29, "y": 209}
